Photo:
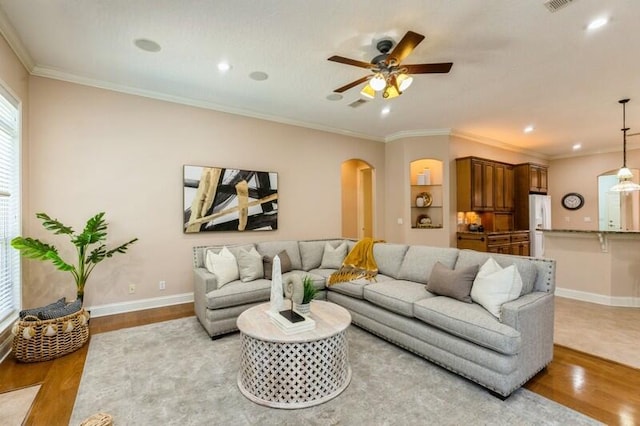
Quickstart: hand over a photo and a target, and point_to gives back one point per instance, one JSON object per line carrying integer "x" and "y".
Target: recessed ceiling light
{"x": 576, "y": 146}
{"x": 528, "y": 129}
{"x": 334, "y": 97}
{"x": 147, "y": 45}
{"x": 224, "y": 67}
{"x": 259, "y": 76}
{"x": 386, "y": 110}
{"x": 597, "y": 23}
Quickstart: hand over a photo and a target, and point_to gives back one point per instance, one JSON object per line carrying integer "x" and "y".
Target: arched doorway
{"x": 358, "y": 188}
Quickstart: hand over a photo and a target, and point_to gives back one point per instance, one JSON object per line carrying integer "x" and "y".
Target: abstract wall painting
{"x": 218, "y": 199}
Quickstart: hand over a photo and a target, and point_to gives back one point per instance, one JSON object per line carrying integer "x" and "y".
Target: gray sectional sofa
{"x": 500, "y": 354}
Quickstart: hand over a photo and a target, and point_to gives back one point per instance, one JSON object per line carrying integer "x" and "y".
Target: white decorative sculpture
{"x": 293, "y": 288}
{"x": 277, "y": 298}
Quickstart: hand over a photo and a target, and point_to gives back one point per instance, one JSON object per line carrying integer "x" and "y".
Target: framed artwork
{"x": 218, "y": 199}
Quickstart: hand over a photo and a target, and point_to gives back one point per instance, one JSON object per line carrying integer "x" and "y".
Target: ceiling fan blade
{"x": 352, "y": 84}
{"x": 440, "y": 68}
{"x": 405, "y": 47}
{"x": 353, "y": 62}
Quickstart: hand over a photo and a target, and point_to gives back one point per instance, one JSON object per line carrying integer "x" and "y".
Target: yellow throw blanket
{"x": 359, "y": 263}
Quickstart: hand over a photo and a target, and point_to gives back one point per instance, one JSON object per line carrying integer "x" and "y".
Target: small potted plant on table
{"x": 309, "y": 292}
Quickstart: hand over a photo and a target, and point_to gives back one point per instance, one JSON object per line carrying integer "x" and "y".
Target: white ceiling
{"x": 515, "y": 62}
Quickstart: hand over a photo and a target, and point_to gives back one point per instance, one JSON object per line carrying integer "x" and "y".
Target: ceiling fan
{"x": 389, "y": 75}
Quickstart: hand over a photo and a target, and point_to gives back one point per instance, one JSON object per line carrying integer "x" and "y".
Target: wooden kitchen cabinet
{"x": 516, "y": 242}
{"x": 484, "y": 185}
{"x": 503, "y": 184}
{"x": 499, "y": 243}
{"x": 531, "y": 178}
{"x": 520, "y": 243}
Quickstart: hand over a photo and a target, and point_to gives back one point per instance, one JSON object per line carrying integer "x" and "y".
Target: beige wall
{"x": 96, "y": 150}
{"x": 603, "y": 271}
{"x": 398, "y": 157}
{"x": 580, "y": 174}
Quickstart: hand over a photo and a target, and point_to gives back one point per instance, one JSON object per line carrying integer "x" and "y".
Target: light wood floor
{"x": 602, "y": 389}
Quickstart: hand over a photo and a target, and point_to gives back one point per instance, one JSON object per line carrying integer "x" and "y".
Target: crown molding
{"x": 417, "y": 133}
{"x": 497, "y": 144}
{"x": 11, "y": 36}
{"x": 630, "y": 147}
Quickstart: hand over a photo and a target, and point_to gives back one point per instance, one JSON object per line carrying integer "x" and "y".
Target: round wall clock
{"x": 572, "y": 201}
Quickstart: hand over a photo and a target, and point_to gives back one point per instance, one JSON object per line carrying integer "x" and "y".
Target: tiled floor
{"x": 606, "y": 331}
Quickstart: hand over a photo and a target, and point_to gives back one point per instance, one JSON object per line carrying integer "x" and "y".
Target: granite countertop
{"x": 490, "y": 233}
{"x": 589, "y": 231}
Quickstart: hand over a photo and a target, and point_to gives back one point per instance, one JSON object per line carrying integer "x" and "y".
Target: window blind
{"x": 9, "y": 208}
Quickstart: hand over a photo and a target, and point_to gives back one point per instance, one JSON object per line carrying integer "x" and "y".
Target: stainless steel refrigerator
{"x": 539, "y": 218}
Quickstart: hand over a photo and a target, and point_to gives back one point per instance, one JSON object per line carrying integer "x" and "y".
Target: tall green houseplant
{"x": 95, "y": 232}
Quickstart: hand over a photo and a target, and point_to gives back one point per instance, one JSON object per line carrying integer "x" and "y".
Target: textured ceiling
{"x": 515, "y": 63}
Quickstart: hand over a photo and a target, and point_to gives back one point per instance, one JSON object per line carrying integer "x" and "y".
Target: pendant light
{"x": 625, "y": 182}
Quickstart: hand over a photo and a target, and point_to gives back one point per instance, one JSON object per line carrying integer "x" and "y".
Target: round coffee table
{"x": 294, "y": 370}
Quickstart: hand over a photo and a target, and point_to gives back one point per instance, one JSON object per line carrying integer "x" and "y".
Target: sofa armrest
{"x": 204, "y": 281}
{"x": 530, "y": 307}
{"x": 532, "y": 315}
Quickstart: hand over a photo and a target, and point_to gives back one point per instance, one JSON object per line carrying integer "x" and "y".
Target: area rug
{"x": 172, "y": 373}
{"x": 15, "y": 405}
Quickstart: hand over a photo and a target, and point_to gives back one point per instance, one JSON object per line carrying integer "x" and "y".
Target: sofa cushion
{"x": 332, "y": 257}
{"x": 396, "y": 295}
{"x": 495, "y": 285}
{"x": 454, "y": 283}
{"x": 250, "y": 265}
{"x": 311, "y": 252}
{"x": 353, "y": 288}
{"x": 468, "y": 321}
{"x": 223, "y": 265}
{"x": 527, "y": 269}
{"x": 271, "y": 248}
{"x": 239, "y": 293}
{"x": 419, "y": 260}
{"x": 285, "y": 264}
{"x": 389, "y": 258}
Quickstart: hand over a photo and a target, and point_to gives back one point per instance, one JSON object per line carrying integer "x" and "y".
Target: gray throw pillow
{"x": 59, "y": 312}
{"x": 60, "y": 303}
{"x": 332, "y": 258}
{"x": 455, "y": 283}
{"x": 285, "y": 264}
{"x": 249, "y": 265}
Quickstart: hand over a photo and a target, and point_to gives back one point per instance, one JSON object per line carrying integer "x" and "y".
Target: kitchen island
{"x": 596, "y": 266}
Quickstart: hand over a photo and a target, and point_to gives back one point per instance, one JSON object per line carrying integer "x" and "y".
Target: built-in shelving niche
{"x": 426, "y": 178}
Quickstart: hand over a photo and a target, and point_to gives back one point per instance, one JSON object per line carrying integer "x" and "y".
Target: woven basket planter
{"x": 99, "y": 419}
{"x": 43, "y": 340}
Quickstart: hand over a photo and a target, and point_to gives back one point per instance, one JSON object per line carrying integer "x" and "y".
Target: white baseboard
{"x": 601, "y": 299}
{"x": 139, "y": 305}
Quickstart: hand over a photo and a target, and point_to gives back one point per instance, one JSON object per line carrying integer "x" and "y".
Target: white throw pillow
{"x": 332, "y": 258}
{"x": 250, "y": 265}
{"x": 494, "y": 286}
{"x": 223, "y": 265}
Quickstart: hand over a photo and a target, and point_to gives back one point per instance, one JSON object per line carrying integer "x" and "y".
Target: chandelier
{"x": 625, "y": 177}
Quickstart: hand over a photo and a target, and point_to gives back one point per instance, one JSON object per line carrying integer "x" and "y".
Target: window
{"x": 9, "y": 208}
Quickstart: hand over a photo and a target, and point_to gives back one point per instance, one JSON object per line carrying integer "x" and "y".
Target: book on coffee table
{"x": 289, "y": 327}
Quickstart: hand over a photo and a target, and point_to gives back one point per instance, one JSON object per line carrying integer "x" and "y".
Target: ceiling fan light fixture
{"x": 378, "y": 82}
{"x": 390, "y": 92}
{"x": 403, "y": 81}
{"x": 368, "y": 92}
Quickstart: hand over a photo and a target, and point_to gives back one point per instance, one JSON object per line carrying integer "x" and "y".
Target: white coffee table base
{"x": 294, "y": 374}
